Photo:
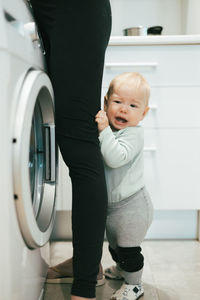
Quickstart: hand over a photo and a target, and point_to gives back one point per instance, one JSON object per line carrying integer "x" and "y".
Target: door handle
{"x": 50, "y": 153}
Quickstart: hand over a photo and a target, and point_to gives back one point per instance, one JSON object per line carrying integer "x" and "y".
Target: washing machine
{"x": 28, "y": 155}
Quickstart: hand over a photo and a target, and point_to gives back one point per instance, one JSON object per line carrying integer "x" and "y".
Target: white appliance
{"x": 28, "y": 156}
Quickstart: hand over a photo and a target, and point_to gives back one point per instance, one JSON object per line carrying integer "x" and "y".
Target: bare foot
{"x": 61, "y": 270}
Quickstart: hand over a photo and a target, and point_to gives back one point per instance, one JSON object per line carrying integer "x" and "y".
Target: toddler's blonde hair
{"x": 137, "y": 81}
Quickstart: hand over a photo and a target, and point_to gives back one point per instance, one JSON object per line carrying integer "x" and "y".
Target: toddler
{"x": 130, "y": 209}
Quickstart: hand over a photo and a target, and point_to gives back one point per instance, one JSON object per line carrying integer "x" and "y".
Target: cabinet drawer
{"x": 172, "y": 107}
{"x": 171, "y": 164}
{"x": 161, "y": 65}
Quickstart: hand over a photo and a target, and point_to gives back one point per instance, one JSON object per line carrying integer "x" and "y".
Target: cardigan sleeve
{"x": 120, "y": 149}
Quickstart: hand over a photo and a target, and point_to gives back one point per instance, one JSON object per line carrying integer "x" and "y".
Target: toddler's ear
{"x": 105, "y": 103}
{"x": 145, "y": 112}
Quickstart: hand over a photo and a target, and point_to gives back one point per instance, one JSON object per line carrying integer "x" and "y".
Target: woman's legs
{"x": 88, "y": 211}
{"x": 76, "y": 35}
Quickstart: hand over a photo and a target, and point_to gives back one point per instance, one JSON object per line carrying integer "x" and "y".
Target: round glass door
{"x": 35, "y": 159}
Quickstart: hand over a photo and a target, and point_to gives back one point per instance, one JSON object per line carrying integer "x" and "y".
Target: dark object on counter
{"x": 155, "y": 30}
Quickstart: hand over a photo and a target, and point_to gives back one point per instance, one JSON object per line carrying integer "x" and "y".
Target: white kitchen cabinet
{"x": 161, "y": 65}
{"x": 173, "y": 107}
{"x": 172, "y": 126}
{"x": 171, "y": 64}
{"x": 172, "y": 167}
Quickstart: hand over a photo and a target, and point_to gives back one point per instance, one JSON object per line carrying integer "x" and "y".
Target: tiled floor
{"x": 171, "y": 272}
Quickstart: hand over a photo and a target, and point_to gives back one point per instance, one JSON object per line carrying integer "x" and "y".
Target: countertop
{"x": 155, "y": 40}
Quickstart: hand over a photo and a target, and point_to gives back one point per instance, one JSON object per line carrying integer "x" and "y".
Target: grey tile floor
{"x": 171, "y": 271}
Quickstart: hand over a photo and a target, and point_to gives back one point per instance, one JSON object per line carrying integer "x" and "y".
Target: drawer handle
{"x": 153, "y": 107}
{"x": 150, "y": 149}
{"x": 136, "y": 64}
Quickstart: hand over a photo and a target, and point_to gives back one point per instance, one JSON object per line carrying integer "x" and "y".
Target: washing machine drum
{"x": 35, "y": 159}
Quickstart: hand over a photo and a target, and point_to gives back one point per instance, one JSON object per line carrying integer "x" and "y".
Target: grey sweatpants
{"x": 127, "y": 224}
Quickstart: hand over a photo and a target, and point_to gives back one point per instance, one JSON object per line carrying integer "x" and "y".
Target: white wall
{"x": 129, "y": 13}
{"x": 192, "y": 20}
{"x": 175, "y": 16}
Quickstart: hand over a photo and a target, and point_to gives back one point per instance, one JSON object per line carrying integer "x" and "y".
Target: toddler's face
{"x": 125, "y": 108}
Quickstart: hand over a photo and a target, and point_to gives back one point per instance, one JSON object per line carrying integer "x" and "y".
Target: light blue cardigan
{"x": 123, "y": 161}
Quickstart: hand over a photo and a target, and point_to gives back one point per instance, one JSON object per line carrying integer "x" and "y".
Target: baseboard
{"x": 167, "y": 224}
{"x": 174, "y": 224}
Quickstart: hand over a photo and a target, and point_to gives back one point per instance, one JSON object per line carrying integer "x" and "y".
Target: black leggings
{"x": 75, "y": 35}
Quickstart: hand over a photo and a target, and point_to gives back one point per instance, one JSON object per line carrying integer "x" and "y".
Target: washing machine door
{"x": 35, "y": 159}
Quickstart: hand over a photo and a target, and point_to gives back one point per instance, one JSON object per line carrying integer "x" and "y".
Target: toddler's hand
{"x": 102, "y": 120}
